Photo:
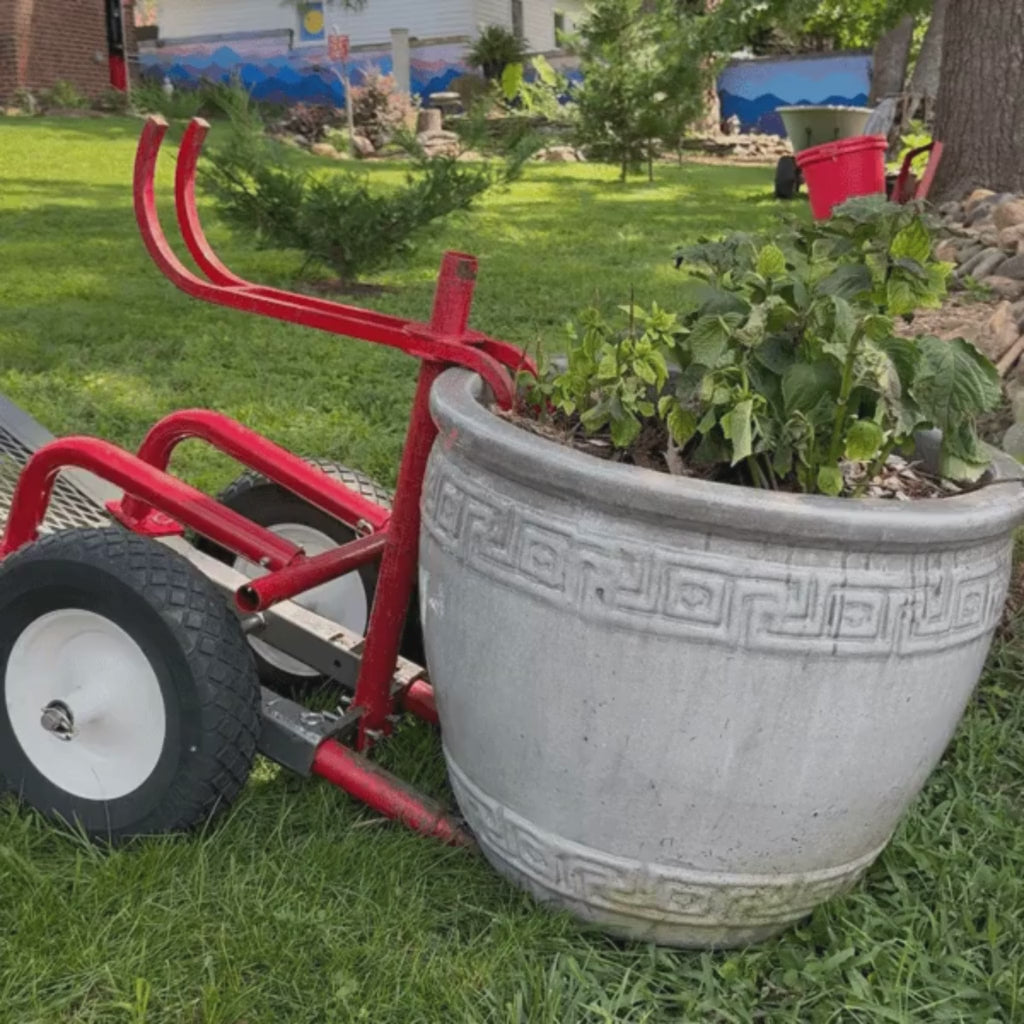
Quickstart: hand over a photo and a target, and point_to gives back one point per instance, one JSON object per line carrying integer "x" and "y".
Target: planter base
{"x": 647, "y": 902}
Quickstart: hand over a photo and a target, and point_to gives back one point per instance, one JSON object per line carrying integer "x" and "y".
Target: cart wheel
{"x": 130, "y": 700}
{"x": 346, "y": 600}
{"x": 787, "y": 178}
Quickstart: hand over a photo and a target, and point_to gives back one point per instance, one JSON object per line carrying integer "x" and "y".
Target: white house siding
{"x": 538, "y": 18}
{"x": 437, "y": 18}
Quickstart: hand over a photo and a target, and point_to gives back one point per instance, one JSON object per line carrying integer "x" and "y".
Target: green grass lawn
{"x": 301, "y": 906}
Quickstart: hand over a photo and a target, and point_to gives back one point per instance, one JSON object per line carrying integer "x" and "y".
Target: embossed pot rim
{"x": 466, "y": 423}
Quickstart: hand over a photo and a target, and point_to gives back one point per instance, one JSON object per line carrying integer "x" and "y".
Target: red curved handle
{"x": 446, "y": 338}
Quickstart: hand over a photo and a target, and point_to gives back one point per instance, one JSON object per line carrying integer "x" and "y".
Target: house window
{"x": 517, "y": 18}
{"x": 559, "y": 24}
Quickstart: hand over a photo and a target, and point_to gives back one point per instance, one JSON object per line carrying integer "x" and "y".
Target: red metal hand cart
{"x": 134, "y": 701}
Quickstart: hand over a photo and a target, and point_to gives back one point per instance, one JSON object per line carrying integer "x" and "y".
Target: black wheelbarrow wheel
{"x": 130, "y": 698}
{"x": 346, "y": 600}
{"x": 787, "y": 178}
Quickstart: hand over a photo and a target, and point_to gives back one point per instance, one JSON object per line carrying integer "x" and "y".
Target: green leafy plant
{"x": 493, "y": 49}
{"x": 545, "y": 93}
{"x": 786, "y": 371}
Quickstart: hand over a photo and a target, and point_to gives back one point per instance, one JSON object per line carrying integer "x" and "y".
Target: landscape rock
{"x": 989, "y": 237}
{"x": 976, "y": 197}
{"x": 1000, "y": 334}
{"x": 1018, "y": 312}
{"x": 947, "y": 251}
{"x": 363, "y": 146}
{"x": 1009, "y": 213}
{"x": 986, "y": 262}
{"x": 1013, "y": 267}
{"x": 951, "y": 210}
{"x": 1013, "y": 441}
{"x": 558, "y": 155}
{"x": 468, "y": 155}
{"x": 1011, "y": 237}
{"x": 981, "y": 216}
{"x": 325, "y": 149}
{"x": 1006, "y": 287}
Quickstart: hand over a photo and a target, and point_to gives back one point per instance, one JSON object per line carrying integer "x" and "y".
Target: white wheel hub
{"x": 342, "y": 600}
{"x": 85, "y": 704}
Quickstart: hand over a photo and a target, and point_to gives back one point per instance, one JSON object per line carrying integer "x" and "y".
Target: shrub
{"x": 148, "y": 97}
{"x": 787, "y": 370}
{"x": 311, "y": 121}
{"x": 62, "y": 95}
{"x": 112, "y": 101}
{"x": 334, "y": 219}
{"x": 380, "y": 110}
{"x": 494, "y": 49}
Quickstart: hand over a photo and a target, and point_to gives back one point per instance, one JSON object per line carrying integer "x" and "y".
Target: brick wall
{"x": 42, "y": 41}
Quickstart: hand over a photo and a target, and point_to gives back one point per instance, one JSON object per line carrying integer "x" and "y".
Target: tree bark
{"x": 889, "y": 63}
{"x": 980, "y": 110}
{"x": 924, "y": 83}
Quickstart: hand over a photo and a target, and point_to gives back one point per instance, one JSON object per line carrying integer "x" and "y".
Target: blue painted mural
{"x": 274, "y": 72}
{"x": 753, "y": 89}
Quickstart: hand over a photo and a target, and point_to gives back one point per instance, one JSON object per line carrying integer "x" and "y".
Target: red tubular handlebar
{"x": 470, "y": 349}
{"x": 180, "y": 501}
{"x": 255, "y": 451}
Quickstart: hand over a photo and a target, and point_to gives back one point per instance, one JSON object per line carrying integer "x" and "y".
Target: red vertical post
{"x": 397, "y": 576}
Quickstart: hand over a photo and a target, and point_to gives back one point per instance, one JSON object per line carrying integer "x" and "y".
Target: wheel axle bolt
{"x": 57, "y": 718}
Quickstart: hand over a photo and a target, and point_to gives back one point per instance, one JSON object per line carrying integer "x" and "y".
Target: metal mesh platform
{"x": 78, "y": 498}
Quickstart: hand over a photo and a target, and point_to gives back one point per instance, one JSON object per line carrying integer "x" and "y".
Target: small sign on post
{"x": 337, "y": 53}
{"x": 337, "y": 48}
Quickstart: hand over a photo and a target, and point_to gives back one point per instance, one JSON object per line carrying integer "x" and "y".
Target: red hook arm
{"x": 470, "y": 349}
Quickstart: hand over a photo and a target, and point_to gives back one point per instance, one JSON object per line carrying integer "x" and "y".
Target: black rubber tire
{"x": 267, "y": 504}
{"x": 787, "y": 178}
{"x": 199, "y": 655}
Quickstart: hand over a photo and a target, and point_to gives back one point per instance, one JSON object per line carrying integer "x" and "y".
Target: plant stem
{"x": 756, "y": 473}
{"x": 842, "y": 408}
{"x": 874, "y": 468}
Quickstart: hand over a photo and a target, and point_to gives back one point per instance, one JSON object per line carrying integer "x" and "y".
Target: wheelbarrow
{"x": 809, "y": 126}
{"x": 840, "y": 152}
{"x": 153, "y": 638}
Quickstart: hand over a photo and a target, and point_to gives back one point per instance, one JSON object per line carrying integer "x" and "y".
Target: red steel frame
{"x": 901, "y": 193}
{"x": 156, "y": 503}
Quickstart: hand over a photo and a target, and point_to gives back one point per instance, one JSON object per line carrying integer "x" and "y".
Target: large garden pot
{"x": 687, "y": 711}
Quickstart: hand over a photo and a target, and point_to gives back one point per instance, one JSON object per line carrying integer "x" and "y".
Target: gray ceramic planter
{"x": 690, "y": 712}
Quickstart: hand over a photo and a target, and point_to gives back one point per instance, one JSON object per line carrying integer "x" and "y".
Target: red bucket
{"x": 837, "y": 171}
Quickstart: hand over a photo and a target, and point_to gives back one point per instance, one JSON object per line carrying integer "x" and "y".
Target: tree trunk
{"x": 980, "y": 110}
{"x": 710, "y": 122}
{"x": 889, "y": 63}
{"x": 924, "y": 83}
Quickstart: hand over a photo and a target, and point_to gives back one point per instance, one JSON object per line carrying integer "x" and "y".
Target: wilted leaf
{"x": 830, "y": 481}
{"x": 771, "y": 261}
{"x": 681, "y": 423}
{"x": 736, "y": 426}
{"x": 625, "y": 430}
{"x": 709, "y": 337}
{"x": 912, "y": 242}
{"x": 954, "y": 381}
{"x": 900, "y": 296}
{"x": 863, "y": 440}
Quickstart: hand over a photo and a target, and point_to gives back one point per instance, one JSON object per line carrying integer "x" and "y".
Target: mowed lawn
{"x": 301, "y": 906}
